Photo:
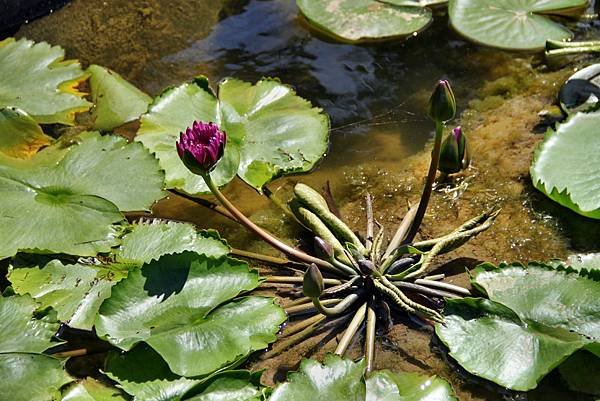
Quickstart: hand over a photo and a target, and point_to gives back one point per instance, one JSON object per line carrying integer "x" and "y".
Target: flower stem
{"x": 263, "y": 234}
{"x": 424, "y": 201}
{"x": 370, "y": 224}
{"x": 357, "y": 320}
{"x": 205, "y": 203}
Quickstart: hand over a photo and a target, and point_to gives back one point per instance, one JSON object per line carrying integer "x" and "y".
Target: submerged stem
{"x": 444, "y": 286}
{"x": 310, "y": 306}
{"x": 369, "y": 237}
{"x": 273, "y": 260}
{"x": 357, "y": 320}
{"x": 298, "y": 280}
{"x": 424, "y": 201}
{"x": 338, "y": 309}
{"x": 370, "y": 337}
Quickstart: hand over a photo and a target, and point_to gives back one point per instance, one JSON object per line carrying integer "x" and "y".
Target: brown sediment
{"x": 130, "y": 37}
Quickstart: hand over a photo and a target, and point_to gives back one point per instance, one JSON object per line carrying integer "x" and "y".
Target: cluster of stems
{"x": 356, "y": 281}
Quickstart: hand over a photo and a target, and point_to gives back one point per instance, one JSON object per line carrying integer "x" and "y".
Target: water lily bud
{"x": 442, "y": 105}
{"x": 312, "y": 284}
{"x": 454, "y": 155}
{"x": 323, "y": 249}
{"x": 201, "y": 146}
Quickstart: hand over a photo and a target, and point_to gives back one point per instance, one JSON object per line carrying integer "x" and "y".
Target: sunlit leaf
{"x": 366, "y": 20}
{"x": 557, "y": 169}
{"x": 28, "y": 375}
{"x": 37, "y": 80}
{"x": 179, "y": 305}
{"x": 402, "y": 386}
{"x": 74, "y": 291}
{"x": 142, "y": 373}
{"x": 20, "y": 135}
{"x": 147, "y": 241}
{"x": 338, "y": 379}
{"x": 74, "y": 195}
{"x": 511, "y": 24}
{"x": 270, "y": 131}
{"x": 92, "y": 390}
{"x": 536, "y": 317}
{"x": 116, "y": 101}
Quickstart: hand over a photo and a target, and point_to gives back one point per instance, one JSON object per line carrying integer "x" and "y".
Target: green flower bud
{"x": 312, "y": 284}
{"x": 442, "y": 105}
{"x": 454, "y": 155}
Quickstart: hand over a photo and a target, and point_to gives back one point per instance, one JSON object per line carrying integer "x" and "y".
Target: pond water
{"x": 376, "y": 96}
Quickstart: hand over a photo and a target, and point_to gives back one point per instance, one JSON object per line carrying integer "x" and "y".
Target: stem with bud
{"x": 264, "y": 235}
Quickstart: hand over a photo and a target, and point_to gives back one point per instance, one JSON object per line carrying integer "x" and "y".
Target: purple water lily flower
{"x": 201, "y": 146}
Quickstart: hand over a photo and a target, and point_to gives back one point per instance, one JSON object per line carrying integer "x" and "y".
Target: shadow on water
{"x": 376, "y": 96}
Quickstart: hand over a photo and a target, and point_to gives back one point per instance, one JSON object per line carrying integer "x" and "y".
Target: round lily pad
{"x": 565, "y": 166}
{"x": 342, "y": 379}
{"x": 535, "y": 318}
{"x": 358, "y": 21}
{"x": 37, "y": 79}
{"x": 270, "y": 131}
{"x": 511, "y": 24}
{"x": 182, "y": 306}
{"x": 74, "y": 194}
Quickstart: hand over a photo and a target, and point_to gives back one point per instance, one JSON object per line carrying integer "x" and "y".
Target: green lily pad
{"x": 357, "y": 21}
{"x": 511, "y": 24}
{"x": 116, "y": 101}
{"x": 92, "y": 390}
{"x": 74, "y": 195}
{"x": 270, "y": 131}
{"x": 340, "y": 379}
{"x": 74, "y": 291}
{"x": 587, "y": 261}
{"x": 20, "y": 135}
{"x": 536, "y": 317}
{"x": 18, "y": 315}
{"x": 147, "y": 241}
{"x": 557, "y": 170}
{"x": 392, "y": 386}
{"x": 555, "y": 297}
{"x": 28, "y": 375}
{"x": 143, "y": 374}
{"x": 37, "y": 80}
{"x": 32, "y": 377}
{"x": 181, "y": 305}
